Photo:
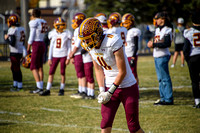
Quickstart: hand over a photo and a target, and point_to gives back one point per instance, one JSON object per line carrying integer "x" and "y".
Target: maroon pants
{"x": 79, "y": 66}
{"x": 129, "y": 98}
{"x": 38, "y": 49}
{"x": 88, "y": 69}
{"x": 54, "y": 65}
{"x": 15, "y": 66}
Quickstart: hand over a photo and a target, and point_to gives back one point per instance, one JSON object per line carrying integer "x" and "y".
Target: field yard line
{"x": 11, "y": 113}
{"x": 54, "y": 110}
{"x": 58, "y": 125}
{"x": 91, "y": 107}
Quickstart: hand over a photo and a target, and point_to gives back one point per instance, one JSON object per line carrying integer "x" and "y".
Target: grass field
{"x": 22, "y": 112}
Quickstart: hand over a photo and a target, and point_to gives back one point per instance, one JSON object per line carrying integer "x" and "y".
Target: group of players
{"x": 110, "y": 45}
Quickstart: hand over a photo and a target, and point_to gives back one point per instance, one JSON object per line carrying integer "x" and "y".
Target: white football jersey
{"x": 19, "y": 33}
{"x": 60, "y": 45}
{"x": 130, "y": 46}
{"x": 52, "y": 33}
{"x": 193, "y": 35}
{"x": 121, "y": 31}
{"x": 38, "y": 28}
{"x": 76, "y": 42}
{"x": 86, "y": 57}
{"x": 159, "y": 37}
{"x": 104, "y": 56}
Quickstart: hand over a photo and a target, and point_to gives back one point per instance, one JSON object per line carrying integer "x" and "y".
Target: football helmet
{"x": 128, "y": 20}
{"x": 90, "y": 29}
{"x": 101, "y": 17}
{"x": 59, "y": 24}
{"x": 78, "y": 19}
{"x": 114, "y": 19}
{"x": 13, "y": 20}
{"x": 100, "y": 14}
{"x": 27, "y": 61}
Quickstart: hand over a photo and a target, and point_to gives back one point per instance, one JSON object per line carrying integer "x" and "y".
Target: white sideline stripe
{"x": 90, "y": 107}
{"x": 54, "y": 110}
{"x": 11, "y": 113}
{"x": 58, "y": 125}
{"x": 156, "y": 88}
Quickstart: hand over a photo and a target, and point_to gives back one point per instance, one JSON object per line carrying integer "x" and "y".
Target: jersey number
{"x": 58, "y": 43}
{"x": 44, "y": 27}
{"x": 103, "y": 63}
{"x": 22, "y": 38}
{"x": 123, "y": 37}
{"x": 196, "y": 39}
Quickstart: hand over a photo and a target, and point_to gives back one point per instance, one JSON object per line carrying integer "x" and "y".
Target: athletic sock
{"x": 19, "y": 85}
{"x": 92, "y": 92}
{"x": 88, "y": 91}
{"x": 15, "y": 83}
{"x": 79, "y": 89}
{"x": 197, "y": 101}
{"x": 38, "y": 85}
{"x": 49, "y": 84}
{"x": 84, "y": 89}
{"x": 62, "y": 86}
{"x": 41, "y": 83}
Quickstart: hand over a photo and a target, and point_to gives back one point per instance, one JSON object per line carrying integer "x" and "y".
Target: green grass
{"x": 22, "y": 112}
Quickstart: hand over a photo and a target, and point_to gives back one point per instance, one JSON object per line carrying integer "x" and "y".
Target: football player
{"x": 111, "y": 65}
{"x": 191, "y": 52}
{"x": 59, "y": 50}
{"x": 15, "y": 38}
{"x": 114, "y": 22}
{"x": 160, "y": 44}
{"x": 103, "y": 19}
{"x": 38, "y": 28}
{"x": 132, "y": 42}
{"x": 76, "y": 57}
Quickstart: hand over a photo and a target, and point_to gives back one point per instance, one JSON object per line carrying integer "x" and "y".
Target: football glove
{"x": 132, "y": 63}
{"x": 104, "y": 97}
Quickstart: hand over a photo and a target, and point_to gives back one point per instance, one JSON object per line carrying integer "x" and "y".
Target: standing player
{"x": 15, "y": 38}
{"x": 132, "y": 40}
{"x": 120, "y": 85}
{"x": 179, "y": 42}
{"x": 114, "y": 22}
{"x": 38, "y": 27}
{"x": 161, "y": 54}
{"x": 191, "y": 51}
{"x": 76, "y": 57}
{"x": 60, "y": 48}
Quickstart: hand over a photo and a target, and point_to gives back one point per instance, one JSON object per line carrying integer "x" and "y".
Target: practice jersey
{"x": 86, "y": 57}
{"x": 60, "y": 45}
{"x": 38, "y": 27}
{"x": 121, "y": 31}
{"x": 159, "y": 37}
{"x": 178, "y": 35}
{"x": 19, "y": 33}
{"x": 130, "y": 46}
{"x": 193, "y": 35}
{"x": 76, "y": 42}
{"x": 104, "y": 56}
{"x": 52, "y": 33}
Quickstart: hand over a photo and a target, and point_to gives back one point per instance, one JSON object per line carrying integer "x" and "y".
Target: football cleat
{"x": 90, "y": 28}
{"x": 37, "y": 90}
{"x": 45, "y": 93}
{"x": 13, "y": 88}
{"x": 27, "y": 61}
{"x": 61, "y": 93}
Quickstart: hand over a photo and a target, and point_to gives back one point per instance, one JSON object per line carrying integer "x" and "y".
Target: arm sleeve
{"x": 186, "y": 49}
{"x": 32, "y": 35}
{"x": 51, "y": 50}
{"x": 136, "y": 46}
{"x": 165, "y": 44}
{"x": 11, "y": 40}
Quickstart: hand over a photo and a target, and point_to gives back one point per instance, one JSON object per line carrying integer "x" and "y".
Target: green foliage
{"x": 143, "y": 10}
{"x": 22, "y": 112}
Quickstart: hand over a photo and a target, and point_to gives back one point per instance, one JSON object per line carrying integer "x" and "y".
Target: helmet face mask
{"x": 77, "y": 20}
{"x": 59, "y": 25}
{"x": 128, "y": 20}
{"x": 90, "y": 33}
